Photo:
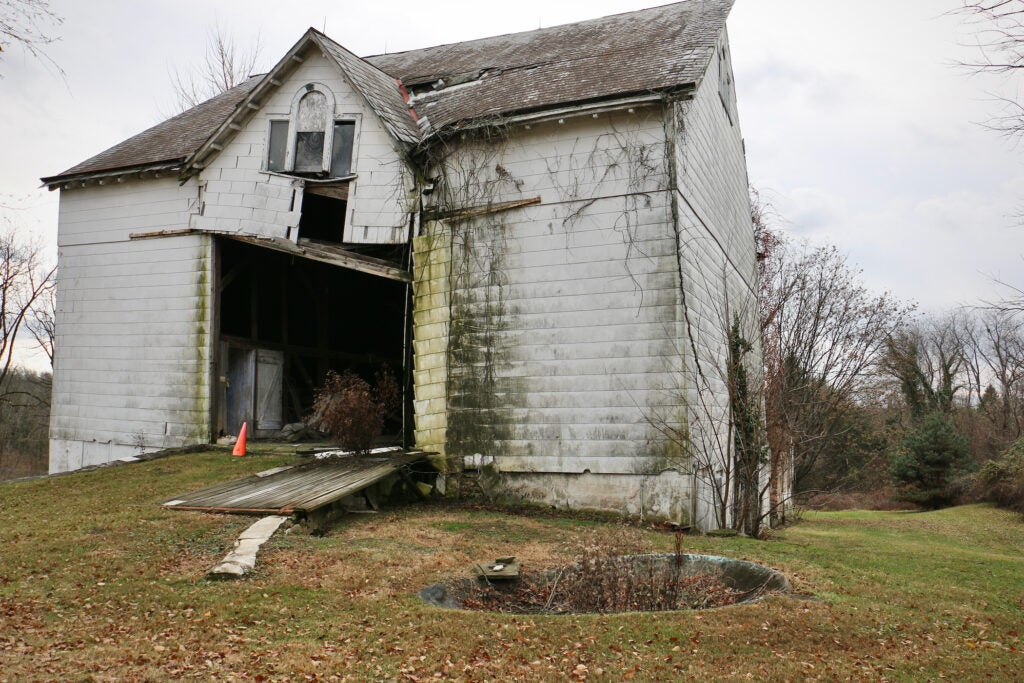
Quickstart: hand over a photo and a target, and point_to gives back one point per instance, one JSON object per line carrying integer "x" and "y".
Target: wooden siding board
{"x": 718, "y": 258}
{"x": 303, "y": 489}
{"x": 242, "y": 197}
{"x": 530, "y": 287}
{"x": 109, "y": 213}
{"x": 132, "y": 356}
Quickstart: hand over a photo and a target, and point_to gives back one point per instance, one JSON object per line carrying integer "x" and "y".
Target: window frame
{"x": 331, "y": 121}
{"x": 293, "y": 118}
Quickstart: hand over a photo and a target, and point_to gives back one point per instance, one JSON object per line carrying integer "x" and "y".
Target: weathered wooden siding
{"x": 584, "y": 329}
{"x": 131, "y": 371}
{"x": 717, "y": 261}
{"x": 431, "y": 317}
{"x": 563, "y": 316}
{"x": 240, "y": 197}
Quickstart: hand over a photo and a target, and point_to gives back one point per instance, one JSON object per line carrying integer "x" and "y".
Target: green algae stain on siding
{"x": 200, "y": 390}
{"x": 478, "y": 386}
{"x": 431, "y": 318}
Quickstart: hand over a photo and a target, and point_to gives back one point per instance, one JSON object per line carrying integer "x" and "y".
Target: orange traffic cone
{"x": 240, "y": 444}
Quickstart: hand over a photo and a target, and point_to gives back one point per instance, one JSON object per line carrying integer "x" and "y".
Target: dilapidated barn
{"x": 546, "y": 233}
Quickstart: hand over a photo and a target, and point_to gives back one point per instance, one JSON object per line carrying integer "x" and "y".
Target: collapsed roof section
{"x": 420, "y": 93}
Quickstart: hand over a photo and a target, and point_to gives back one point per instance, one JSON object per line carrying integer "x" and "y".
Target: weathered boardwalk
{"x": 297, "y": 489}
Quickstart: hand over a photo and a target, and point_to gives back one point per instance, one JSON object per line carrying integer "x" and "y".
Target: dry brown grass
{"x": 881, "y": 501}
{"x": 98, "y": 583}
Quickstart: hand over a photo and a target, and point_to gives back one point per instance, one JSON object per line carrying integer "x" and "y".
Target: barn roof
{"x": 167, "y": 143}
{"x": 649, "y": 51}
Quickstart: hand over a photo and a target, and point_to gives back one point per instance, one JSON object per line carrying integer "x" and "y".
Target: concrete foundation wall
{"x": 658, "y": 497}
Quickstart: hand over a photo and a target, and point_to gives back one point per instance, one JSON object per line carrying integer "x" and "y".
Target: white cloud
{"x": 864, "y": 134}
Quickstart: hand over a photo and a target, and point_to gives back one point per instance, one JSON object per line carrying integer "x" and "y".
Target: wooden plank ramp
{"x": 298, "y": 489}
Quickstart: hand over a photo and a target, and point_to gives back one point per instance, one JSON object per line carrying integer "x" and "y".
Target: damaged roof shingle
{"x": 649, "y": 51}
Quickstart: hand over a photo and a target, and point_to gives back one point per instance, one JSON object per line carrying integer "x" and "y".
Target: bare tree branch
{"x": 824, "y": 335}
{"x": 24, "y": 282}
{"x": 28, "y": 24}
{"x": 225, "y": 65}
{"x": 999, "y": 33}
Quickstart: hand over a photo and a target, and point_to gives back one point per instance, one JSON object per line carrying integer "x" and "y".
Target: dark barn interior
{"x": 285, "y": 321}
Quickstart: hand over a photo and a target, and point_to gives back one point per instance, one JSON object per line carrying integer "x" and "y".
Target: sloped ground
{"x": 97, "y": 582}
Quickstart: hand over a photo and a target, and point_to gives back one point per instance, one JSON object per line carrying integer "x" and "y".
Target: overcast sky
{"x": 860, "y": 129}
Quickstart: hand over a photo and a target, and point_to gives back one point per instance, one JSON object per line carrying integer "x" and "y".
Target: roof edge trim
{"x": 54, "y": 182}
{"x": 551, "y": 113}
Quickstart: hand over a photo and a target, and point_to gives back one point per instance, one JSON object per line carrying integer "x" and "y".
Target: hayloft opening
{"x": 284, "y": 321}
{"x": 323, "y": 213}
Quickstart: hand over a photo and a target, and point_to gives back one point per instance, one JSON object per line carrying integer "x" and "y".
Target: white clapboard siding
{"x": 718, "y": 263}
{"x": 131, "y": 372}
{"x": 240, "y": 197}
{"x": 431, "y": 270}
{"x": 563, "y": 314}
{"x": 110, "y": 213}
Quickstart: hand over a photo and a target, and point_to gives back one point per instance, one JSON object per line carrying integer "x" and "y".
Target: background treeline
{"x": 27, "y": 305}
{"x": 24, "y": 423}
{"x": 870, "y": 402}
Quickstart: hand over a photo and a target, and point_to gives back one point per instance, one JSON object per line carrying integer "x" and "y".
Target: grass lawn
{"x": 97, "y": 582}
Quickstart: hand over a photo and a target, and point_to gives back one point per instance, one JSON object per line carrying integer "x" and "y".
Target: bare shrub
{"x": 1002, "y": 481}
{"x": 613, "y": 571}
{"x": 352, "y": 410}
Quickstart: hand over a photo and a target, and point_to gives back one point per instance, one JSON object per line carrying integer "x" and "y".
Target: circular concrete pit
{"x": 698, "y": 581}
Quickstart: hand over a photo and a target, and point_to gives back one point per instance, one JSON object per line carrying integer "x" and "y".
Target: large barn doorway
{"x": 284, "y": 321}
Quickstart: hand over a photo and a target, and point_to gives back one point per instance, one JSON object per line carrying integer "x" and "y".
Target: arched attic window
{"x": 311, "y": 141}
{"x": 310, "y": 133}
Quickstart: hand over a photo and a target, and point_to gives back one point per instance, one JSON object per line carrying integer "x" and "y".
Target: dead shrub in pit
{"x": 612, "y": 572}
{"x": 353, "y": 411}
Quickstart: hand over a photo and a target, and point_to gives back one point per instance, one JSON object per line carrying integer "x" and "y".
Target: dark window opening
{"x": 341, "y": 155}
{"x": 286, "y": 321}
{"x": 278, "y": 146}
{"x": 309, "y": 152}
{"x": 323, "y": 215}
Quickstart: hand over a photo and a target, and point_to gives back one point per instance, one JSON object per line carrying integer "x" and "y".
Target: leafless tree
{"x": 28, "y": 24}
{"x": 999, "y": 31}
{"x": 824, "y": 335}
{"x": 968, "y": 365}
{"x": 225, "y": 65}
{"x": 25, "y": 284}
{"x": 993, "y": 348}
{"x": 930, "y": 361}
{"x": 43, "y": 324}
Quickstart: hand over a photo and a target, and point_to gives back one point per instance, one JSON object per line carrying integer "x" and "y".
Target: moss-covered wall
{"x": 431, "y": 322}
{"x": 561, "y": 283}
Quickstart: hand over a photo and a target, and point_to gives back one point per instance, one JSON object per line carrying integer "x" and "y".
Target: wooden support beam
{"x": 482, "y": 210}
